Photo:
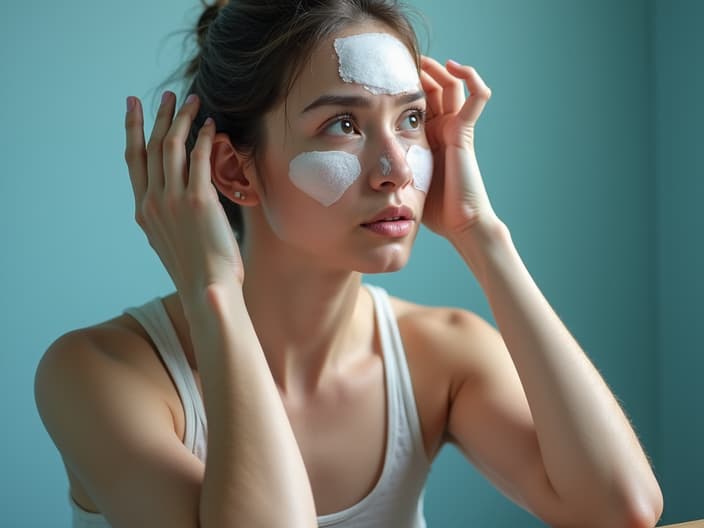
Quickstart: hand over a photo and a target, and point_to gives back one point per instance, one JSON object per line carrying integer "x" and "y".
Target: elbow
{"x": 648, "y": 509}
{"x": 638, "y": 511}
{"x": 646, "y": 513}
{"x": 642, "y": 512}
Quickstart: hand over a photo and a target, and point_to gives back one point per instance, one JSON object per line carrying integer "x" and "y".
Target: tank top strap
{"x": 396, "y": 363}
{"x": 156, "y": 322}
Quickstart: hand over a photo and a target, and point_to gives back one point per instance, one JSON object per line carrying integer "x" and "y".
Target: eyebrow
{"x": 359, "y": 101}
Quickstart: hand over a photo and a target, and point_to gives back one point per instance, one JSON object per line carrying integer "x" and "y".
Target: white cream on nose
{"x": 385, "y": 165}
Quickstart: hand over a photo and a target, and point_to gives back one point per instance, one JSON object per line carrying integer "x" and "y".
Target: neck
{"x": 311, "y": 322}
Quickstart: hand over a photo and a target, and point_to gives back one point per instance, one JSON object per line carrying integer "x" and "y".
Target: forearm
{"x": 254, "y": 474}
{"x": 590, "y": 452}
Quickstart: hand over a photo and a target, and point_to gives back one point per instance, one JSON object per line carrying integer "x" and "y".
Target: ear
{"x": 233, "y": 174}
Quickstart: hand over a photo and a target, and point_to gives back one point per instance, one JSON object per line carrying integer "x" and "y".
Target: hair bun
{"x": 206, "y": 18}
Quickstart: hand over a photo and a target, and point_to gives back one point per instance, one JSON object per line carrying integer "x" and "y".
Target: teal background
{"x": 590, "y": 149}
{"x": 679, "y": 116}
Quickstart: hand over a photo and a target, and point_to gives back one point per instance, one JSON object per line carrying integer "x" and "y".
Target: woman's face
{"x": 344, "y": 159}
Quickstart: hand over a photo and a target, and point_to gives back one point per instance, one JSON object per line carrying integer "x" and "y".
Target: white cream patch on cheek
{"x": 324, "y": 176}
{"x": 377, "y": 61}
{"x": 420, "y": 160}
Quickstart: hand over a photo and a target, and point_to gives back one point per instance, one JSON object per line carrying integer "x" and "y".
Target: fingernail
{"x": 130, "y": 103}
{"x": 208, "y": 122}
{"x": 191, "y": 98}
{"x": 453, "y": 63}
{"x": 165, "y": 97}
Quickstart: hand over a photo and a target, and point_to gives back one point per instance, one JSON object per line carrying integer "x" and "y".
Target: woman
{"x": 313, "y": 144}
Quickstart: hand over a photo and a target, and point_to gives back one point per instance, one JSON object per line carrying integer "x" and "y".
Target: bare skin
{"x": 360, "y": 414}
{"x": 524, "y": 404}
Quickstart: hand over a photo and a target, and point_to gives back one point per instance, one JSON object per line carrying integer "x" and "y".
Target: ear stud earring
{"x": 239, "y": 195}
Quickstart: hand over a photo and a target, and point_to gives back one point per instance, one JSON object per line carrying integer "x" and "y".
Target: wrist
{"x": 482, "y": 245}
{"x": 212, "y": 303}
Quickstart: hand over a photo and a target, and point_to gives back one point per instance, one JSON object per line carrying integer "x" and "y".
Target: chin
{"x": 378, "y": 271}
{"x": 385, "y": 262}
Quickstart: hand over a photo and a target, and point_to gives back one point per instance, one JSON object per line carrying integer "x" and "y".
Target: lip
{"x": 394, "y": 229}
{"x": 392, "y": 222}
{"x": 400, "y": 214}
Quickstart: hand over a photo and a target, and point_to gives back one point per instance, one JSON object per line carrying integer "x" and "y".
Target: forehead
{"x": 321, "y": 74}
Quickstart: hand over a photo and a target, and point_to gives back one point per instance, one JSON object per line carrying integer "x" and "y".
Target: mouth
{"x": 394, "y": 222}
{"x": 392, "y": 214}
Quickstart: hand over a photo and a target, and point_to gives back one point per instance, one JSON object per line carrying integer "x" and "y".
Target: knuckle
{"x": 164, "y": 108}
{"x": 149, "y": 208}
{"x": 139, "y": 218}
{"x": 154, "y": 146}
{"x": 133, "y": 120}
{"x": 133, "y": 153}
{"x": 172, "y": 202}
{"x": 198, "y": 200}
{"x": 172, "y": 142}
{"x": 130, "y": 155}
{"x": 199, "y": 155}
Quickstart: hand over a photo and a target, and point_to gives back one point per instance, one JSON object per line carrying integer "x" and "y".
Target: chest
{"x": 343, "y": 434}
{"x": 344, "y": 431}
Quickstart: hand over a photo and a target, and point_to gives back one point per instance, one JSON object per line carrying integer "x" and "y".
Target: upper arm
{"x": 489, "y": 417}
{"x": 116, "y": 434}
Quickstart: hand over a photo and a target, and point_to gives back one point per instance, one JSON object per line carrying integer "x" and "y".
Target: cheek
{"x": 324, "y": 176}
{"x": 420, "y": 161}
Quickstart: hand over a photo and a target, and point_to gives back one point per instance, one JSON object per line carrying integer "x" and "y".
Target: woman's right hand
{"x": 178, "y": 208}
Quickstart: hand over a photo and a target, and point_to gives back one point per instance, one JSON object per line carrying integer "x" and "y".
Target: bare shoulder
{"x": 443, "y": 347}
{"x": 100, "y": 396}
{"x": 107, "y": 360}
{"x": 434, "y": 321}
{"x": 99, "y": 364}
{"x": 454, "y": 339}
{"x": 119, "y": 343}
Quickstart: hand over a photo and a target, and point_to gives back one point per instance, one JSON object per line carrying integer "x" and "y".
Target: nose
{"x": 390, "y": 170}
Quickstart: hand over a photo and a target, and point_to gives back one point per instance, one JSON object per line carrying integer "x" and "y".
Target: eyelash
{"x": 418, "y": 112}
{"x": 346, "y": 115}
{"x": 339, "y": 117}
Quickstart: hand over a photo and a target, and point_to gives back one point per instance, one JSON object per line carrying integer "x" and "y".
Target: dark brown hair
{"x": 251, "y": 51}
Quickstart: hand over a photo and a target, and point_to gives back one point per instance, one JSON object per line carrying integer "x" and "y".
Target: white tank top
{"x": 397, "y": 498}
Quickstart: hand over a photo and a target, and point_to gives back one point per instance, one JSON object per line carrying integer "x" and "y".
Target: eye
{"x": 413, "y": 120}
{"x": 343, "y": 126}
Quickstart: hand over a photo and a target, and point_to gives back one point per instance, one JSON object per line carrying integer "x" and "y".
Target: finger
{"x": 479, "y": 92}
{"x": 135, "y": 154}
{"x": 433, "y": 94}
{"x": 199, "y": 174}
{"x": 175, "y": 166}
{"x": 452, "y": 90}
{"x": 155, "y": 147}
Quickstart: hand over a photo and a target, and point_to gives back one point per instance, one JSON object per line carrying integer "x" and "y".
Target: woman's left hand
{"x": 457, "y": 202}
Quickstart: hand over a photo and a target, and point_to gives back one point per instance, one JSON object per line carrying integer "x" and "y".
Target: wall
{"x": 565, "y": 147}
{"x": 72, "y": 254}
{"x": 677, "y": 120}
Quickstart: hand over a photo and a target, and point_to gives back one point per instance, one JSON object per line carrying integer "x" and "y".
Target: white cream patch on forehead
{"x": 420, "y": 160}
{"x": 324, "y": 176}
{"x": 379, "y": 62}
